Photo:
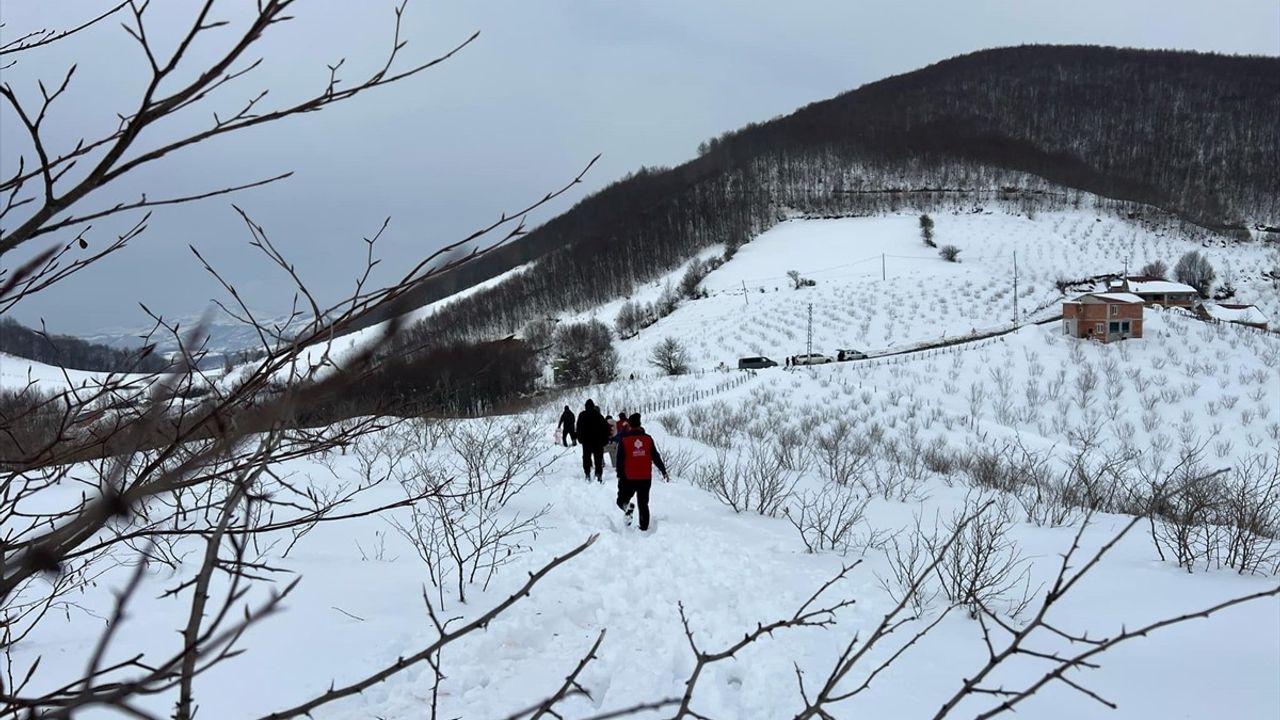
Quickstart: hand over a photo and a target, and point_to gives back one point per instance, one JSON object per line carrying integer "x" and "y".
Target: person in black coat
{"x": 565, "y": 427}
{"x": 593, "y": 434}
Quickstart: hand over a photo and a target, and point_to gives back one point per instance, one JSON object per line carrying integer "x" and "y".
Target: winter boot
{"x": 631, "y": 513}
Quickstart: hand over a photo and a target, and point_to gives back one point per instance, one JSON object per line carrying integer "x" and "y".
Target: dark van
{"x": 755, "y": 363}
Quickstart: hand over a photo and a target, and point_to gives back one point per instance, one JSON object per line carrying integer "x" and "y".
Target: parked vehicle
{"x": 755, "y": 363}
{"x": 811, "y": 359}
{"x": 843, "y": 355}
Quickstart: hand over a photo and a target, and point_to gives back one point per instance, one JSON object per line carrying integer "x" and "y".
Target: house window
{"x": 1066, "y": 327}
{"x": 1115, "y": 310}
{"x": 1115, "y": 327}
{"x": 1099, "y": 328}
{"x": 1124, "y": 327}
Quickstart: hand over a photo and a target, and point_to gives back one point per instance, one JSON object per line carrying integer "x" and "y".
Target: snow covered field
{"x": 924, "y": 421}
{"x": 879, "y": 287}
{"x": 359, "y": 606}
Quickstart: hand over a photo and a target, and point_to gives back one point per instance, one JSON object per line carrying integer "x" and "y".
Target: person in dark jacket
{"x": 593, "y": 434}
{"x": 565, "y": 426}
{"x": 637, "y": 455}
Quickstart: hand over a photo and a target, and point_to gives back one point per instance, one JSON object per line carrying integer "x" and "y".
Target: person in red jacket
{"x": 637, "y": 456}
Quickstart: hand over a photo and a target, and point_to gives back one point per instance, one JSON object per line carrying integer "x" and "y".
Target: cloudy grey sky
{"x": 546, "y": 86}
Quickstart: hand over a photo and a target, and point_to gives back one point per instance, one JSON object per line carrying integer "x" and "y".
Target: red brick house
{"x": 1156, "y": 291}
{"x": 1103, "y": 316}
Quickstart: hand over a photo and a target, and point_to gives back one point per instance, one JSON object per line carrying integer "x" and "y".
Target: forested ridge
{"x": 73, "y": 353}
{"x": 1191, "y": 133}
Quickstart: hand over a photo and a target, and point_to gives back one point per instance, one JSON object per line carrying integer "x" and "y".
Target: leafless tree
{"x": 1194, "y": 269}
{"x": 670, "y": 356}
{"x": 171, "y": 478}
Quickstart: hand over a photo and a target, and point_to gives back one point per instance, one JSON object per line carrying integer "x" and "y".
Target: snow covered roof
{"x": 1112, "y": 297}
{"x": 1235, "y": 313}
{"x": 1158, "y": 287}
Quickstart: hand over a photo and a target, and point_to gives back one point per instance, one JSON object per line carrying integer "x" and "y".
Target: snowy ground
{"x": 359, "y": 607}
{"x": 1187, "y": 383}
{"x": 17, "y": 373}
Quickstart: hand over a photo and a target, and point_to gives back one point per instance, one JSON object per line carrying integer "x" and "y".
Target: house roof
{"x": 1158, "y": 287}
{"x": 1112, "y": 297}
{"x": 1235, "y": 313}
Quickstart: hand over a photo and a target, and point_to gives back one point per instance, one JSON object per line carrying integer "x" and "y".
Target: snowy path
{"x": 733, "y": 571}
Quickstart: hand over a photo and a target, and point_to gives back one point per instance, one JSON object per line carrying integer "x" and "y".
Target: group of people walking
{"x": 631, "y": 451}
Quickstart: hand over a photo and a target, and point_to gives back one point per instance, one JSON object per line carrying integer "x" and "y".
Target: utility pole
{"x": 883, "y": 274}
{"x": 745, "y": 299}
{"x": 808, "y": 346}
{"x": 1015, "y": 286}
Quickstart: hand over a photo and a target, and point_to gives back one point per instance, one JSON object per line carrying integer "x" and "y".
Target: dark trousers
{"x": 640, "y": 489}
{"x": 592, "y": 453}
{"x": 566, "y": 435}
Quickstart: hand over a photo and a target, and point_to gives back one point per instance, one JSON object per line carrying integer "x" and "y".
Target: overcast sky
{"x": 545, "y": 87}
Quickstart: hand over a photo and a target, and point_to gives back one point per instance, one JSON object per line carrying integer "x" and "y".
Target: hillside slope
{"x": 1032, "y": 127}
{"x": 923, "y": 431}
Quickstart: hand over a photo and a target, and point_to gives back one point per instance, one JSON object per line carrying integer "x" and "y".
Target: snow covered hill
{"x": 878, "y": 287}
{"x": 929, "y": 436}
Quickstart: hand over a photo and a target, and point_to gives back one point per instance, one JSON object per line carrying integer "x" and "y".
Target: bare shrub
{"x": 464, "y": 532}
{"x": 950, "y": 253}
{"x": 1251, "y": 513}
{"x": 899, "y": 471}
{"x": 672, "y": 423}
{"x": 827, "y": 519}
{"x": 32, "y": 421}
{"x": 910, "y": 562}
{"x": 679, "y": 460}
{"x": 792, "y": 450}
{"x": 754, "y": 479}
{"x": 982, "y": 570}
{"x": 939, "y": 459}
{"x": 1183, "y": 517}
{"x": 1225, "y": 518}
{"x": 842, "y": 456}
{"x": 986, "y": 468}
{"x": 716, "y": 424}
